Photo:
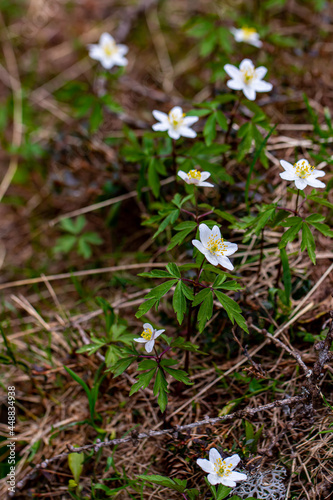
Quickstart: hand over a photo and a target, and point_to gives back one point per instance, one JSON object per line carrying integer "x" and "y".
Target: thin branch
{"x": 134, "y": 437}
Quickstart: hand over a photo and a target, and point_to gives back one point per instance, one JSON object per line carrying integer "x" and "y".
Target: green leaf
{"x": 168, "y": 220}
{"x": 201, "y": 296}
{"x": 290, "y": 234}
{"x": 308, "y": 242}
{"x": 178, "y": 238}
{"x": 122, "y": 365}
{"x": 75, "y": 463}
{"x": 173, "y": 269}
{"x": 73, "y": 226}
{"x": 83, "y": 248}
{"x": 156, "y": 273}
{"x": 161, "y": 388}
{"x": 153, "y": 178}
{"x": 221, "y": 120}
{"x": 179, "y": 302}
{"x": 209, "y": 130}
{"x": 64, "y": 244}
{"x": 179, "y": 375}
{"x": 222, "y": 492}
{"x": 143, "y": 381}
{"x": 315, "y": 218}
{"x": 205, "y": 311}
{"x": 159, "y": 291}
{"x": 145, "y": 307}
{"x": 323, "y": 228}
{"x": 164, "y": 481}
{"x": 232, "y": 309}
{"x": 286, "y": 274}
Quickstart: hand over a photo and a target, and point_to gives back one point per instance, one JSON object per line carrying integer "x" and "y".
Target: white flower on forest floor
{"x": 248, "y": 35}
{"x": 108, "y": 53}
{"x": 176, "y": 123}
{"x": 302, "y": 173}
{"x": 214, "y": 248}
{"x": 221, "y": 471}
{"x": 148, "y": 336}
{"x": 248, "y": 79}
{"x": 196, "y": 177}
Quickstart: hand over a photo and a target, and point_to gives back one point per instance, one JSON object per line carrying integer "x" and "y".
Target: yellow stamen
{"x": 175, "y": 120}
{"x": 110, "y": 49}
{"x": 221, "y": 468}
{"x": 248, "y": 74}
{"x": 194, "y": 174}
{"x": 216, "y": 245}
{"x": 303, "y": 169}
{"x": 147, "y": 334}
{"x": 248, "y": 32}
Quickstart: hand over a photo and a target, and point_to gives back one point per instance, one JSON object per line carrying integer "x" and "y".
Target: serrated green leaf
{"x": 179, "y": 302}
{"x": 179, "y": 375}
{"x": 290, "y": 234}
{"x": 201, "y": 296}
{"x": 308, "y": 242}
{"x": 159, "y": 291}
{"x": 209, "y": 130}
{"x": 173, "y": 269}
{"x": 143, "y": 381}
{"x": 205, "y": 311}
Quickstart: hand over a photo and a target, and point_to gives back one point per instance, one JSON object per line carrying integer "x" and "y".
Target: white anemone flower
{"x": 196, "y": 177}
{"x": 176, "y": 123}
{"x": 248, "y": 35}
{"x": 108, "y": 53}
{"x": 248, "y": 79}
{"x": 148, "y": 336}
{"x": 214, "y": 248}
{"x": 302, "y": 173}
{"x": 221, "y": 471}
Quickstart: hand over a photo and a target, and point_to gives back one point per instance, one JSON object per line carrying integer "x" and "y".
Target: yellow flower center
{"x": 175, "y": 120}
{"x": 221, "y": 469}
{"x": 303, "y": 169}
{"x": 248, "y": 32}
{"x": 110, "y": 49}
{"x": 194, "y": 174}
{"x": 216, "y": 245}
{"x": 147, "y": 334}
{"x": 248, "y": 74}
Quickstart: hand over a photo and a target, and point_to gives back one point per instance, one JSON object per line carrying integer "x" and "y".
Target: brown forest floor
{"x": 164, "y": 69}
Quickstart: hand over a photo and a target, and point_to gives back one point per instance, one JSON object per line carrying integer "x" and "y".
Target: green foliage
{"x": 75, "y": 463}
{"x": 81, "y": 242}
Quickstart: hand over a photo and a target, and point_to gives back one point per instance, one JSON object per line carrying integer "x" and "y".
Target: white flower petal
{"x": 141, "y": 340}
{"x": 288, "y": 176}
{"x": 186, "y": 132}
{"x": 249, "y": 92}
{"x": 148, "y": 325}
{"x": 122, "y": 49}
{"x": 106, "y": 39}
{"x": 107, "y": 62}
{"x": 228, "y": 482}
{"x": 260, "y": 86}
{"x": 177, "y": 111}
{"x": 160, "y": 116}
{"x": 237, "y": 476}
{"x": 216, "y": 232}
{"x": 246, "y": 64}
{"x": 214, "y": 479}
{"x": 231, "y": 248}
{"x": 149, "y": 346}
{"x": 182, "y": 175}
{"x": 205, "y": 184}
{"x": 287, "y": 166}
{"x": 95, "y": 52}
{"x": 232, "y": 71}
{"x": 160, "y": 127}
{"x": 212, "y": 259}
{"x": 225, "y": 262}
{"x": 300, "y": 183}
{"x": 313, "y": 182}
{"x": 204, "y": 176}
{"x": 199, "y": 246}
{"x": 233, "y": 460}
{"x": 205, "y": 234}
{"x": 206, "y": 465}
{"x": 256, "y": 43}
{"x": 158, "y": 333}
{"x": 236, "y": 84}
{"x": 318, "y": 173}
{"x": 174, "y": 134}
{"x": 214, "y": 455}
{"x": 119, "y": 60}
{"x": 190, "y": 120}
{"x": 261, "y": 72}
